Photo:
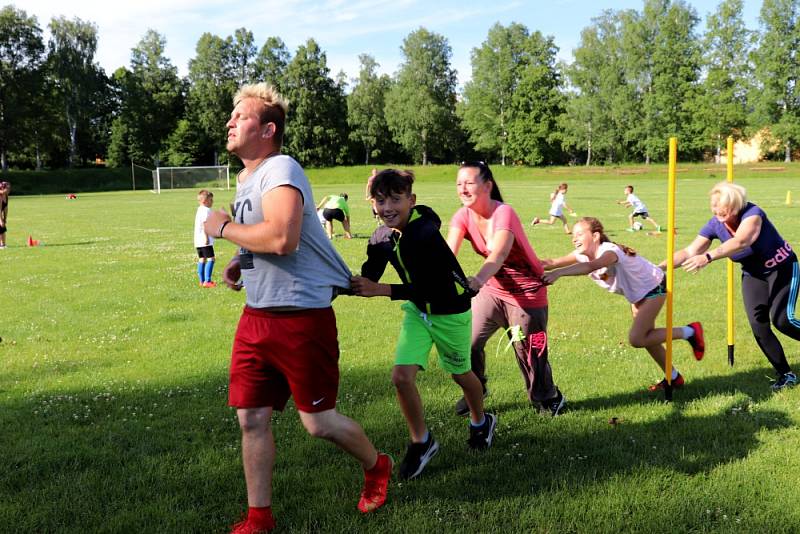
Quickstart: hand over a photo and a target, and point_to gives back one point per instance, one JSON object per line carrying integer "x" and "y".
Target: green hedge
{"x": 69, "y": 181}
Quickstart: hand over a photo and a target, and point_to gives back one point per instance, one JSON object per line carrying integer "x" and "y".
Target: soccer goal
{"x": 181, "y": 177}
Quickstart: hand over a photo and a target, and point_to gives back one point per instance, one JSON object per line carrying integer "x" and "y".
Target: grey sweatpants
{"x": 489, "y": 314}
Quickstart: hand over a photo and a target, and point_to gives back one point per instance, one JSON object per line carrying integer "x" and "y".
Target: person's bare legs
{"x": 258, "y": 454}
{"x": 473, "y": 394}
{"x": 643, "y": 333}
{"x": 329, "y": 228}
{"x": 342, "y": 432}
{"x": 404, "y": 378}
{"x": 346, "y": 226}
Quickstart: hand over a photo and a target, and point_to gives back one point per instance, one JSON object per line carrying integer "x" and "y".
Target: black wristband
{"x": 708, "y": 257}
{"x": 222, "y": 227}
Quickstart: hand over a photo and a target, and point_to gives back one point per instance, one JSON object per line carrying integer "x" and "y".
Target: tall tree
{"x": 537, "y": 104}
{"x": 243, "y": 51}
{"x": 152, "y": 98}
{"x": 676, "y": 73}
{"x": 72, "y": 46}
{"x": 21, "y": 56}
{"x": 777, "y": 69}
{"x": 365, "y": 108}
{"x": 317, "y": 122}
{"x": 212, "y": 86}
{"x": 496, "y": 72}
{"x": 597, "y": 112}
{"x": 420, "y": 107}
{"x": 271, "y": 62}
{"x": 722, "y": 106}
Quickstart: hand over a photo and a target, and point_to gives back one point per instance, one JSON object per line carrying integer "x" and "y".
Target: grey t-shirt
{"x": 306, "y": 277}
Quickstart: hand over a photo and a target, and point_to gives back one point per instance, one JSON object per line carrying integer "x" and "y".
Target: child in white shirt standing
{"x": 618, "y": 269}
{"x": 203, "y": 242}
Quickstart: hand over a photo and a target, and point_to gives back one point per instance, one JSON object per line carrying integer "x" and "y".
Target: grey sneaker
{"x": 461, "y": 406}
{"x": 480, "y": 437}
{"x": 786, "y": 380}
{"x": 418, "y": 455}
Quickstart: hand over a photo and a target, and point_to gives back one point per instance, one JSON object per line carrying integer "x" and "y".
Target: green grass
{"x": 113, "y": 382}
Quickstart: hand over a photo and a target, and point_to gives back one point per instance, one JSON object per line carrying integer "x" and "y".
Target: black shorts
{"x": 205, "y": 252}
{"x": 642, "y": 214}
{"x": 331, "y": 214}
{"x": 2, "y": 229}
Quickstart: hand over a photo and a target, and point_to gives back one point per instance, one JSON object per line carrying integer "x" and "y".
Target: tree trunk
{"x": 72, "y": 124}
{"x": 788, "y": 157}
{"x": 424, "y": 147}
{"x": 589, "y": 153}
{"x": 3, "y": 160}
{"x": 366, "y": 154}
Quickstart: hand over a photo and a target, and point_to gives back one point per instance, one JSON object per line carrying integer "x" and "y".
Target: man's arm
{"x": 278, "y": 233}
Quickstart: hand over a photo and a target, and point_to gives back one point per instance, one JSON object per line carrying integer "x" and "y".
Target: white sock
{"x": 479, "y": 423}
{"x": 688, "y": 332}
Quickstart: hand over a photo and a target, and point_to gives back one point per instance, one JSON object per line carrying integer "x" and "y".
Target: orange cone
{"x": 30, "y": 241}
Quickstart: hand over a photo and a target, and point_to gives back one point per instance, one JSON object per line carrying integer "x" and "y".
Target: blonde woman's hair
{"x": 730, "y": 195}
{"x": 275, "y": 107}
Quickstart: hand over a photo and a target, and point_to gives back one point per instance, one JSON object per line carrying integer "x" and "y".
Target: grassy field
{"x": 113, "y": 382}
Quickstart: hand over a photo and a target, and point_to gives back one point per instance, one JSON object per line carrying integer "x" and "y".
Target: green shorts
{"x": 451, "y": 334}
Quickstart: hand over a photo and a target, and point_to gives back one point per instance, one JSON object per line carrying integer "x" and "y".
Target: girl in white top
{"x": 618, "y": 269}
{"x": 558, "y": 199}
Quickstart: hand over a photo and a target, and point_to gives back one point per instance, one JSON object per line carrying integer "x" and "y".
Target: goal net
{"x": 218, "y": 177}
{"x": 141, "y": 176}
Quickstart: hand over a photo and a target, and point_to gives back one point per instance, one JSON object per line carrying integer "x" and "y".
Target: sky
{"x": 343, "y": 28}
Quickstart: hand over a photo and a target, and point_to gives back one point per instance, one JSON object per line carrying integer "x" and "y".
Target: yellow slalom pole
{"x": 673, "y": 158}
{"x": 731, "y": 336}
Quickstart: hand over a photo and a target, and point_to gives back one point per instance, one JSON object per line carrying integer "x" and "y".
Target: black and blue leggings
{"x": 773, "y": 298}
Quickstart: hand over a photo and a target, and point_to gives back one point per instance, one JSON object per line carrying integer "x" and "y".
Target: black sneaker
{"x": 417, "y": 457}
{"x": 461, "y": 406}
{"x": 480, "y": 437}
{"x": 786, "y": 380}
{"x": 555, "y": 405}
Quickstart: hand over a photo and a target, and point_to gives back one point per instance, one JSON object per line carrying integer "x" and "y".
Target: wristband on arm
{"x": 708, "y": 257}
{"x": 222, "y": 227}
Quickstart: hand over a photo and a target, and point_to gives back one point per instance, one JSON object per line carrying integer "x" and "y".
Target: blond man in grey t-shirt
{"x": 286, "y": 342}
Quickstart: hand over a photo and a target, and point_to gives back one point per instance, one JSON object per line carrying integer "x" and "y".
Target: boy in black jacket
{"x": 437, "y": 310}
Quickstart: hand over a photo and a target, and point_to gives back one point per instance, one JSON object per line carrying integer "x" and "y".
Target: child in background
{"x": 618, "y": 269}
{"x": 437, "y": 311}
{"x": 334, "y": 207}
{"x": 558, "y": 199}
{"x": 368, "y": 197}
{"x": 5, "y": 190}
{"x": 639, "y": 210}
{"x": 204, "y": 243}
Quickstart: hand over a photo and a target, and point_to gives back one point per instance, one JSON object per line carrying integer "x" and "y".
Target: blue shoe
{"x": 786, "y": 380}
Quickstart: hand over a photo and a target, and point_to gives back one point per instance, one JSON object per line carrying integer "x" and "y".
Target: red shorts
{"x": 279, "y": 354}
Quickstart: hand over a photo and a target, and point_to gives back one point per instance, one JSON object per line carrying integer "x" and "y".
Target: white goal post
{"x": 218, "y": 176}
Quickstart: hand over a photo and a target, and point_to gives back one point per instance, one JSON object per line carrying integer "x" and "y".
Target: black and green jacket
{"x": 432, "y": 278}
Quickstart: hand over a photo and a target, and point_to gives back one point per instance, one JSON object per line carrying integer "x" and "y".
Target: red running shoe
{"x": 676, "y": 383}
{"x": 247, "y": 527}
{"x": 209, "y": 284}
{"x": 697, "y": 341}
{"x": 376, "y": 484}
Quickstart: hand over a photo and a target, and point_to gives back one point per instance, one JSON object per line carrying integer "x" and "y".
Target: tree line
{"x": 637, "y": 78}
